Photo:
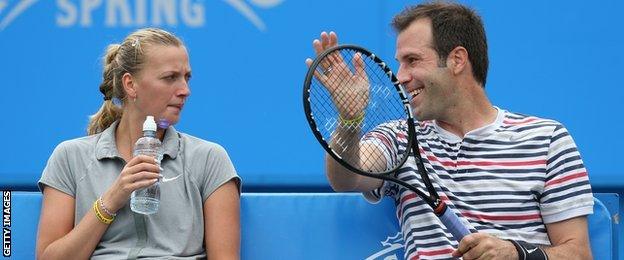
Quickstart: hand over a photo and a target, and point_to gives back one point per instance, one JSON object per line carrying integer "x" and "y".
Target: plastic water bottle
{"x": 146, "y": 200}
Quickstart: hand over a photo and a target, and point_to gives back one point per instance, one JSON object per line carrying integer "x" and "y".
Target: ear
{"x": 457, "y": 60}
{"x": 129, "y": 85}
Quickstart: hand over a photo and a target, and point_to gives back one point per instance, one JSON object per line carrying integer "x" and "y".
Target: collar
{"x": 106, "y": 144}
{"x": 483, "y": 131}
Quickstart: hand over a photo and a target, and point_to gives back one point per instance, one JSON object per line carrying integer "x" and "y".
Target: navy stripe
{"x": 556, "y": 157}
{"x": 496, "y": 190}
{"x": 570, "y": 195}
{"x": 499, "y": 209}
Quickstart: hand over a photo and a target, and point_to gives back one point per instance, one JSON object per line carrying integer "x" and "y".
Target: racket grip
{"x": 453, "y": 224}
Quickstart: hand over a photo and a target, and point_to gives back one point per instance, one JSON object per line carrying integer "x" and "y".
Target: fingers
{"x": 143, "y": 183}
{"x": 317, "y": 46}
{"x": 144, "y": 172}
{"x": 466, "y": 244}
{"x": 140, "y": 159}
{"x": 325, "y": 41}
{"x": 140, "y": 172}
{"x": 333, "y": 39}
{"x": 358, "y": 63}
{"x": 476, "y": 252}
{"x": 484, "y": 246}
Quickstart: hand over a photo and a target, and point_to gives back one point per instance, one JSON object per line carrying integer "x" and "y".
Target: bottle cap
{"x": 163, "y": 123}
{"x": 149, "y": 124}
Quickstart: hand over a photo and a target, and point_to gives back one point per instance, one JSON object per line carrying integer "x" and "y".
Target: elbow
{"x": 586, "y": 253}
{"x": 40, "y": 254}
{"x": 341, "y": 182}
{"x": 340, "y": 187}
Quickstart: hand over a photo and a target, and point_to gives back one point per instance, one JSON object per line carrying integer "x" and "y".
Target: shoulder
{"x": 518, "y": 122}
{"x": 522, "y": 120}
{"x": 392, "y": 126}
{"x": 76, "y": 147}
{"x": 196, "y": 147}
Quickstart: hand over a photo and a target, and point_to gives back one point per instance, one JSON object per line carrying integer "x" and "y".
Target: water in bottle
{"x": 146, "y": 200}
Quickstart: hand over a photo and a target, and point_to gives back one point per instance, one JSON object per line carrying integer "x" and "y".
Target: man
{"x": 516, "y": 181}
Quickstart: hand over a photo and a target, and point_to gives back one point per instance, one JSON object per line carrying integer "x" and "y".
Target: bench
{"x": 311, "y": 226}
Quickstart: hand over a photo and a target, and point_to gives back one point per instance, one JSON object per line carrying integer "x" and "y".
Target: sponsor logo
{"x": 131, "y": 13}
{"x": 393, "y": 249}
{"x": 7, "y": 15}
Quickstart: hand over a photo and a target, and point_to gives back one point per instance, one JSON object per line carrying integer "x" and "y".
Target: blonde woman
{"x": 87, "y": 182}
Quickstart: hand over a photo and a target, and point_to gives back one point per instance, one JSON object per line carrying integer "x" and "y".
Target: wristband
{"x": 527, "y": 251}
{"x": 352, "y": 122}
{"x": 99, "y": 215}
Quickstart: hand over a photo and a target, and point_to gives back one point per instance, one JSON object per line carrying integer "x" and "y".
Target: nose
{"x": 184, "y": 90}
{"x": 402, "y": 75}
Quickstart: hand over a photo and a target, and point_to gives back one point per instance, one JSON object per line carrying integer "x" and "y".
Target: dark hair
{"x": 452, "y": 25}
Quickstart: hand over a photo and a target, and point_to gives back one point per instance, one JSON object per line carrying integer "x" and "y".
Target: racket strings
{"x": 352, "y": 96}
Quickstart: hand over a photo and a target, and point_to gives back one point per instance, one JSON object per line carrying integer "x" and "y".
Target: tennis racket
{"x": 349, "y": 91}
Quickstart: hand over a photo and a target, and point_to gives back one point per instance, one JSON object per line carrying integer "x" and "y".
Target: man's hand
{"x": 485, "y": 246}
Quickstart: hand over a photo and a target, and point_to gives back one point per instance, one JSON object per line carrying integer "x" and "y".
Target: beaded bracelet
{"x": 99, "y": 215}
{"x": 104, "y": 208}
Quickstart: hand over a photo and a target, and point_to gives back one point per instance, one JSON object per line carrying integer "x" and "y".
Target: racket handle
{"x": 453, "y": 224}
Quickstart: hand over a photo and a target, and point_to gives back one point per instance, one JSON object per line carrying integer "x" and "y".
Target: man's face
{"x": 427, "y": 83}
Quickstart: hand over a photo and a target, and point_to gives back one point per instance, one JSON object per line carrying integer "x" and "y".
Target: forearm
{"x": 222, "y": 223}
{"x": 569, "y": 250}
{"x": 78, "y": 243}
{"x": 345, "y": 141}
{"x": 569, "y": 239}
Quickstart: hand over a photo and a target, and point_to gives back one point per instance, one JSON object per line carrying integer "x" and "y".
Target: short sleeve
{"x": 57, "y": 173}
{"x": 218, "y": 170}
{"x": 567, "y": 192}
{"x": 388, "y": 137}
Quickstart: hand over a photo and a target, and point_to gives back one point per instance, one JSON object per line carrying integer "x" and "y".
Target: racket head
{"x": 367, "y": 77}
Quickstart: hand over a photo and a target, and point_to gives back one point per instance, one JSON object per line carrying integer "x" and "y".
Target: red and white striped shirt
{"x": 508, "y": 179}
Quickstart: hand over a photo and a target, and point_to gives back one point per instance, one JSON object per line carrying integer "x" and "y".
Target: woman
{"x": 88, "y": 181}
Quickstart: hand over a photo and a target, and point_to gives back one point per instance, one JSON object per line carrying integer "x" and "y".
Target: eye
{"x": 171, "y": 77}
{"x": 188, "y": 77}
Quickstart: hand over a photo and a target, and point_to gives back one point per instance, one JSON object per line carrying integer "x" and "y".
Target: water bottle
{"x": 146, "y": 200}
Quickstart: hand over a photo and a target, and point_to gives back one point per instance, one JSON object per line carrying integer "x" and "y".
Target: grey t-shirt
{"x": 86, "y": 167}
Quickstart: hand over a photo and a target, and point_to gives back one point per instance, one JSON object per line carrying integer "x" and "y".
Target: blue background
{"x": 558, "y": 59}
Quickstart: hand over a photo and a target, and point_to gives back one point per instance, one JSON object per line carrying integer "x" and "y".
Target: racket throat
{"x": 440, "y": 207}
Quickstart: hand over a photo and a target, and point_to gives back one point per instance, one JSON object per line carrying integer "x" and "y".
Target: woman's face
{"x": 162, "y": 85}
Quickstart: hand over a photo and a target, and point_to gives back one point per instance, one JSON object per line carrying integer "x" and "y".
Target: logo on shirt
{"x": 135, "y": 13}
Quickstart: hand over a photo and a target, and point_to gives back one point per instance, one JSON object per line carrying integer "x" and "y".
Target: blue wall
{"x": 551, "y": 59}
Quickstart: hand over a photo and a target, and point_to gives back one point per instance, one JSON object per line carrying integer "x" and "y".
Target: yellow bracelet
{"x": 99, "y": 215}
{"x": 354, "y": 121}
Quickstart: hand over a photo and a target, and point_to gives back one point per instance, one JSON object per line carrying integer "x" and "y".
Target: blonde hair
{"x": 127, "y": 57}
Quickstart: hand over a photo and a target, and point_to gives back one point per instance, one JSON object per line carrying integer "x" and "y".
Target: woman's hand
{"x": 140, "y": 172}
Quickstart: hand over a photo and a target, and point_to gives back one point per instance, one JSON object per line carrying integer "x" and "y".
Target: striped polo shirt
{"x": 508, "y": 179}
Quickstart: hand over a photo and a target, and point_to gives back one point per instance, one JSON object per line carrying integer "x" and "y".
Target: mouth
{"x": 178, "y": 106}
{"x": 415, "y": 92}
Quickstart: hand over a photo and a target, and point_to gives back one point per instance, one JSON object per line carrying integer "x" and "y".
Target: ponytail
{"x": 108, "y": 112}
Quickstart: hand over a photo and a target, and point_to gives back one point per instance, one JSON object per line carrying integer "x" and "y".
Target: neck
{"x": 129, "y": 130}
{"x": 471, "y": 111}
